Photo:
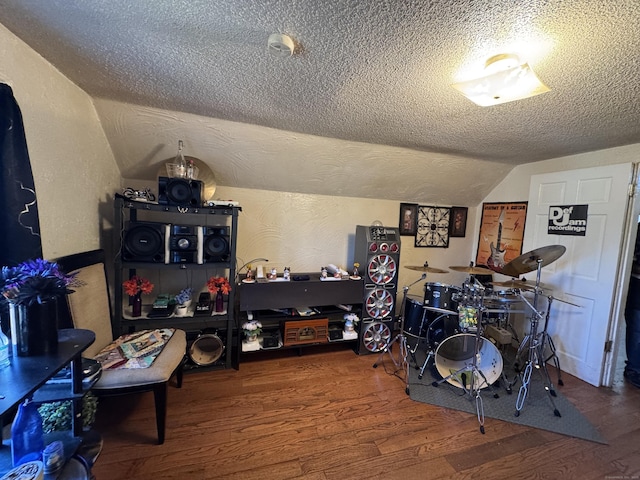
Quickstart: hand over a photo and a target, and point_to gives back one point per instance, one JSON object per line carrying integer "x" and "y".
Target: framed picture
{"x": 458, "y": 226}
{"x": 408, "y": 218}
{"x": 433, "y": 227}
{"x": 501, "y": 234}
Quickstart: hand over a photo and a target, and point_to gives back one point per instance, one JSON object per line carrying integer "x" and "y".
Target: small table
{"x": 27, "y": 377}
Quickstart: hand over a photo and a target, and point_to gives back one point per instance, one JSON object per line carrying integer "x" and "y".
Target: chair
{"x": 89, "y": 307}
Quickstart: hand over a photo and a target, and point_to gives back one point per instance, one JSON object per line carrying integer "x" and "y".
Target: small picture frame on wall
{"x": 408, "y": 218}
{"x": 458, "y": 225}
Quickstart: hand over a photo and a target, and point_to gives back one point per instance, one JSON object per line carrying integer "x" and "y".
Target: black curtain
{"x": 19, "y": 222}
{"x": 20, "y": 239}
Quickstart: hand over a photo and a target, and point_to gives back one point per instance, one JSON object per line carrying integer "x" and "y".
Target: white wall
{"x": 73, "y": 168}
{"x": 515, "y": 186}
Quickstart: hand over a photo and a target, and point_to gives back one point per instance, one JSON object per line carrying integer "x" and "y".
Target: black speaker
{"x": 183, "y": 244}
{"x": 214, "y": 245}
{"x": 377, "y": 250}
{"x": 180, "y": 191}
{"x": 145, "y": 242}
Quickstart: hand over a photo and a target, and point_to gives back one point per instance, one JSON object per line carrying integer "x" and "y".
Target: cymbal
{"x": 529, "y": 261}
{"x": 472, "y": 270}
{"x": 564, "y": 301}
{"x": 519, "y": 284}
{"x": 425, "y": 268}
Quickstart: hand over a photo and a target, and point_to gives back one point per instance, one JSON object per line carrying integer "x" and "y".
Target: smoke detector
{"x": 281, "y": 45}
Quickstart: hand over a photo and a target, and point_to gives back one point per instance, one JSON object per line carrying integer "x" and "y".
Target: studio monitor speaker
{"x": 181, "y": 192}
{"x": 145, "y": 242}
{"x": 214, "y": 244}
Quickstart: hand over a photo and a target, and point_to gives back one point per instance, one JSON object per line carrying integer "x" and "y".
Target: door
{"x": 587, "y": 273}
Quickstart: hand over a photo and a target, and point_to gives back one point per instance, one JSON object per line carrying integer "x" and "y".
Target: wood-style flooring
{"x": 328, "y": 414}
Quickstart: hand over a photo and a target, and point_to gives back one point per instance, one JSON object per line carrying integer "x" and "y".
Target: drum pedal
{"x": 500, "y": 335}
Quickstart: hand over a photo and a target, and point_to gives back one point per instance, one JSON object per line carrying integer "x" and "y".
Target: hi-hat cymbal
{"x": 471, "y": 270}
{"x": 529, "y": 261}
{"x": 425, "y": 268}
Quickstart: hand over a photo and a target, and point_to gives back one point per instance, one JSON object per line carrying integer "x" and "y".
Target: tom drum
{"x": 441, "y": 298}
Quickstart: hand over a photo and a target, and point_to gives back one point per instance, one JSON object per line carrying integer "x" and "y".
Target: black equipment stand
{"x": 400, "y": 362}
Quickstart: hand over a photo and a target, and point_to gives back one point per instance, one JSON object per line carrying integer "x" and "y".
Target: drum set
{"x": 466, "y": 333}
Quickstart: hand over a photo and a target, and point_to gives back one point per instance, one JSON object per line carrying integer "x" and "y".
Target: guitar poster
{"x": 501, "y": 234}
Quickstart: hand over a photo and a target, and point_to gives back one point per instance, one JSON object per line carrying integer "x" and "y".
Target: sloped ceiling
{"x": 363, "y": 107}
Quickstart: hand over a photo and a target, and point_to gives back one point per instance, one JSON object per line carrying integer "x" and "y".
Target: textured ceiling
{"x": 377, "y": 72}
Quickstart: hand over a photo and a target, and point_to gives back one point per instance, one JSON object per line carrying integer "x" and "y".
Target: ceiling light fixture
{"x": 505, "y": 80}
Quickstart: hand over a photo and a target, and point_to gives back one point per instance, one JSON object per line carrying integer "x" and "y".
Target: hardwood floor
{"x": 328, "y": 414}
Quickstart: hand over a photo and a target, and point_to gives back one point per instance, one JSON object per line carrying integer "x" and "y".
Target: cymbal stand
{"x": 401, "y": 361}
{"x": 477, "y": 378}
{"x": 535, "y": 344}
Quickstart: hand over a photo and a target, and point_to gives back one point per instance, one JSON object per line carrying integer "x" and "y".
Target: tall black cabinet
{"x": 176, "y": 247}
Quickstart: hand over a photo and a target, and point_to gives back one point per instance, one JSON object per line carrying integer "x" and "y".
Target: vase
{"x": 34, "y": 328}
{"x": 219, "y": 302}
{"x": 136, "y": 305}
{"x": 181, "y": 311}
{"x": 252, "y": 338}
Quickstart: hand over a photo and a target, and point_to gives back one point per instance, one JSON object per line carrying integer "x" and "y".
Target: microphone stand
{"x": 401, "y": 361}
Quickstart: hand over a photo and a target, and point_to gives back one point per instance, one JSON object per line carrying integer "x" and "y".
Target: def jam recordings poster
{"x": 568, "y": 220}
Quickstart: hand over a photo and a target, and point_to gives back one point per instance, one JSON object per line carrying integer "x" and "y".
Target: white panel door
{"x": 586, "y": 273}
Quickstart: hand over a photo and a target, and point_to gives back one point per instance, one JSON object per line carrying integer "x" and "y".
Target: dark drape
{"x": 20, "y": 239}
{"x": 19, "y": 222}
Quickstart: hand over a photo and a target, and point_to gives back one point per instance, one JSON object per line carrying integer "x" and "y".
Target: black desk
{"x": 26, "y": 377}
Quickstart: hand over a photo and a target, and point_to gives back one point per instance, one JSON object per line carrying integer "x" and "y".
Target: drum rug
{"x": 537, "y": 410}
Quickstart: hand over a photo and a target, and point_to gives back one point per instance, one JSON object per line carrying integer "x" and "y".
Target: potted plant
{"x": 135, "y": 287}
{"x": 57, "y": 416}
{"x": 252, "y": 329}
{"x": 32, "y": 290}
{"x": 183, "y": 301}
{"x": 219, "y": 286}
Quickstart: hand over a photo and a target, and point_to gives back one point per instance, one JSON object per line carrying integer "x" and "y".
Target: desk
{"x": 26, "y": 377}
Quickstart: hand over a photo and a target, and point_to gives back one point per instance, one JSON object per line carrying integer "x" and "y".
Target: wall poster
{"x": 501, "y": 234}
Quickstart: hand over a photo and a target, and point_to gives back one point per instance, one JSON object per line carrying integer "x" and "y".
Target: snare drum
{"x": 441, "y": 298}
{"x": 415, "y": 317}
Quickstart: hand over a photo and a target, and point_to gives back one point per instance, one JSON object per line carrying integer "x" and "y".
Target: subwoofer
{"x": 374, "y": 336}
{"x": 214, "y": 244}
{"x": 145, "y": 242}
{"x": 181, "y": 192}
{"x": 183, "y": 244}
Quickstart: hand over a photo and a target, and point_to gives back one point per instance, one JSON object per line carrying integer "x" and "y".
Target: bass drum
{"x": 206, "y": 349}
{"x": 456, "y": 354}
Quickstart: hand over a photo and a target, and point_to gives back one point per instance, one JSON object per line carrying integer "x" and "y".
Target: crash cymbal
{"x": 425, "y": 268}
{"x": 471, "y": 270}
{"x": 529, "y": 261}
